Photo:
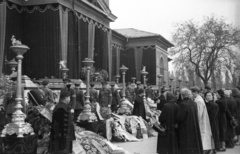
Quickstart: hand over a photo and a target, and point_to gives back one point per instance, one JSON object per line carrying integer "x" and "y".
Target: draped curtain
{"x": 63, "y": 16}
{"x": 2, "y": 33}
{"x": 149, "y": 61}
{"x": 138, "y": 61}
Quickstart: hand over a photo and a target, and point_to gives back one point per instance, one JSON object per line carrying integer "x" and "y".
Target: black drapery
{"x": 149, "y": 61}
{"x": 127, "y": 59}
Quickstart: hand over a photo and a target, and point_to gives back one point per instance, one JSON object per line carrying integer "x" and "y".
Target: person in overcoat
{"x": 232, "y": 107}
{"x": 213, "y": 109}
{"x": 203, "y": 119}
{"x": 236, "y": 96}
{"x": 67, "y": 87}
{"x": 105, "y": 96}
{"x": 222, "y": 118}
{"x": 139, "y": 107}
{"x": 115, "y": 98}
{"x": 189, "y": 135}
{"x": 62, "y": 128}
{"x": 78, "y": 108}
{"x": 167, "y": 144}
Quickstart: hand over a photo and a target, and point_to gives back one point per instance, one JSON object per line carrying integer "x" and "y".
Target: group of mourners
{"x": 199, "y": 121}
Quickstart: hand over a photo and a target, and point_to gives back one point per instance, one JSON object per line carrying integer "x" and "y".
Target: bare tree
{"x": 198, "y": 47}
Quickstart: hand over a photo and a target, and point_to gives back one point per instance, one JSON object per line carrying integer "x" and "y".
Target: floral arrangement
{"x": 6, "y": 90}
{"x": 103, "y": 74}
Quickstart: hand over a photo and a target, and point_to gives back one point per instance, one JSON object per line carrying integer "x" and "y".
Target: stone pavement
{"x": 148, "y": 146}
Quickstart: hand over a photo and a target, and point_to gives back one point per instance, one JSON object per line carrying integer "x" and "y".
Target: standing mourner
{"x": 236, "y": 96}
{"x": 137, "y": 88}
{"x": 161, "y": 100}
{"x": 203, "y": 119}
{"x": 167, "y": 144}
{"x": 139, "y": 107}
{"x": 93, "y": 93}
{"x": 150, "y": 92}
{"x": 115, "y": 98}
{"x": 232, "y": 107}
{"x": 47, "y": 92}
{"x": 67, "y": 87}
{"x": 62, "y": 131}
{"x": 189, "y": 139}
{"x": 222, "y": 118}
{"x": 79, "y": 100}
{"x": 213, "y": 110}
{"x": 130, "y": 93}
{"x": 105, "y": 96}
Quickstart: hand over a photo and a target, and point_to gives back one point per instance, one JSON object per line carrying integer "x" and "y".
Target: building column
{"x": 118, "y": 59}
{"x": 3, "y": 10}
{"x": 138, "y": 61}
{"x": 91, "y": 38}
{"x": 109, "y": 49}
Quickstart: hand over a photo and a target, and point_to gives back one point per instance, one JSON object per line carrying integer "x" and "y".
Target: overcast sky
{"x": 159, "y": 16}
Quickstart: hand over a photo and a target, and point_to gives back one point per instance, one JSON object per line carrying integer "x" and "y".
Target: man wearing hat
{"x": 130, "y": 92}
{"x": 150, "y": 92}
{"x": 115, "y": 98}
{"x": 62, "y": 131}
{"x": 105, "y": 95}
{"x": 67, "y": 87}
{"x": 78, "y": 108}
{"x": 47, "y": 92}
{"x": 137, "y": 88}
{"x": 203, "y": 119}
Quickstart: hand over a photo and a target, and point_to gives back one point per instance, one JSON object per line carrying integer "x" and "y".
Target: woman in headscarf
{"x": 236, "y": 96}
{"x": 189, "y": 136}
{"x": 222, "y": 119}
{"x": 168, "y": 144}
{"x": 213, "y": 109}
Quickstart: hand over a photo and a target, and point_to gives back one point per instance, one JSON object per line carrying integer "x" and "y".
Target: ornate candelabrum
{"x": 133, "y": 79}
{"x": 159, "y": 83}
{"x": 87, "y": 114}
{"x": 13, "y": 64}
{"x": 117, "y": 78}
{"x": 144, "y": 74}
{"x": 124, "y": 109}
{"x": 63, "y": 68}
{"x": 18, "y": 125}
{"x": 179, "y": 81}
{"x": 170, "y": 86}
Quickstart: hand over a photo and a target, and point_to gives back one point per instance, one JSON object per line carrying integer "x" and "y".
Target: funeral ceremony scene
{"x": 119, "y": 77}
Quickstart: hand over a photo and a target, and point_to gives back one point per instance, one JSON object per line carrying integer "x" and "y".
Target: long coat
{"x": 115, "y": 99}
{"x": 105, "y": 97}
{"x": 204, "y": 123}
{"x": 62, "y": 132}
{"x": 222, "y": 119}
{"x": 232, "y": 107}
{"x": 168, "y": 144}
{"x": 139, "y": 107}
{"x": 189, "y": 135}
{"x": 237, "y": 99}
{"x": 213, "y": 110}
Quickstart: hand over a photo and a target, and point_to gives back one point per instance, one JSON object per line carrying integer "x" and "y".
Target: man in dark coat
{"x": 115, "y": 98}
{"x": 139, "y": 107}
{"x": 79, "y": 100}
{"x": 232, "y": 107}
{"x": 47, "y": 92}
{"x": 129, "y": 92}
{"x": 105, "y": 96}
{"x": 93, "y": 93}
{"x": 150, "y": 92}
{"x": 236, "y": 96}
{"x": 67, "y": 87}
{"x": 62, "y": 131}
{"x": 189, "y": 140}
{"x": 168, "y": 144}
{"x": 222, "y": 118}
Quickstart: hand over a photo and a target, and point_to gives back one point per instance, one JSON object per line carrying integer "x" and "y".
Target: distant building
{"x": 138, "y": 48}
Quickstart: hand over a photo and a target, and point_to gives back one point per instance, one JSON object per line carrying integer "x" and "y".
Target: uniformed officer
{"x": 67, "y": 87}
{"x": 105, "y": 95}
{"x": 93, "y": 93}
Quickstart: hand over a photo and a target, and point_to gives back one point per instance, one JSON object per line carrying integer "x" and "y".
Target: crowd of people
{"x": 196, "y": 121}
{"x": 199, "y": 121}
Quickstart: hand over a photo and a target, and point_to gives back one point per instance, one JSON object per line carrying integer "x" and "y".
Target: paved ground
{"x": 148, "y": 146}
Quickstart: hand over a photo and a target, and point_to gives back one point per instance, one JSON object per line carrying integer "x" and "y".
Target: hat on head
{"x": 64, "y": 94}
{"x": 77, "y": 83}
{"x": 220, "y": 92}
{"x": 104, "y": 82}
{"x": 195, "y": 89}
{"x": 92, "y": 84}
{"x": 66, "y": 80}
{"x": 140, "y": 91}
{"x": 45, "y": 82}
{"x": 138, "y": 82}
{"x": 112, "y": 83}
